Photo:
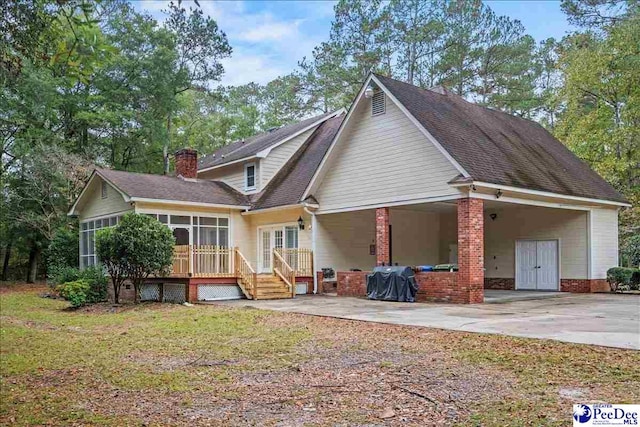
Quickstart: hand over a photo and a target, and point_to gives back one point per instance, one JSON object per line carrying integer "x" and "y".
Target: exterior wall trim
{"x": 275, "y": 208}
{"x": 540, "y": 193}
{"x": 93, "y": 218}
{"x": 392, "y": 204}
{"x": 530, "y": 202}
{"x": 182, "y": 203}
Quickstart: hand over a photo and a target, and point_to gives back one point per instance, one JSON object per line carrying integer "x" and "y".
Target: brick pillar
{"x": 470, "y": 281}
{"x": 186, "y": 163}
{"x": 382, "y": 236}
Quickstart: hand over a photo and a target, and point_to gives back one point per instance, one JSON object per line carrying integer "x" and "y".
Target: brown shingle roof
{"x": 499, "y": 148}
{"x": 256, "y": 143}
{"x": 289, "y": 184}
{"x": 147, "y": 186}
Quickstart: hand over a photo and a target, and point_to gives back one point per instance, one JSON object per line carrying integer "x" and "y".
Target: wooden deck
{"x": 208, "y": 261}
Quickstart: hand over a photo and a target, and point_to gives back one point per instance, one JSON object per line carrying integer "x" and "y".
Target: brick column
{"x": 382, "y": 236}
{"x": 470, "y": 282}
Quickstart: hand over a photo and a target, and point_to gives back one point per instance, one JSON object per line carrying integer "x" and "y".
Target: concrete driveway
{"x": 599, "y": 319}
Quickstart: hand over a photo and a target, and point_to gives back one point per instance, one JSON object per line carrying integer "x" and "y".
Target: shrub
{"x": 110, "y": 258}
{"x": 622, "y": 279}
{"x": 62, "y": 251}
{"x": 97, "y": 281}
{"x": 142, "y": 246}
{"x": 75, "y": 292}
{"x": 631, "y": 251}
{"x": 60, "y": 275}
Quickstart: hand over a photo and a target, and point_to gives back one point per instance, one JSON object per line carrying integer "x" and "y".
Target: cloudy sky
{"x": 270, "y": 37}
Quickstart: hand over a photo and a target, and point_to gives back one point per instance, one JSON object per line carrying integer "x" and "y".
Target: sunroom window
{"x": 88, "y": 231}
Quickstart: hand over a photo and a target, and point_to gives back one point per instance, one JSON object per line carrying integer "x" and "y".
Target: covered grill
{"x": 392, "y": 283}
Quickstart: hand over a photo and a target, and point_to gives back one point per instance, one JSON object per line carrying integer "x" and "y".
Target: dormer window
{"x": 250, "y": 176}
{"x": 378, "y": 103}
{"x": 103, "y": 189}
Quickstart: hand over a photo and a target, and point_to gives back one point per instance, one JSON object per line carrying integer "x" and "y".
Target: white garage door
{"x": 537, "y": 265}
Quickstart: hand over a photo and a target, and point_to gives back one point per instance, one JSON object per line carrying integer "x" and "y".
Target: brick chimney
{"x": 186, "y": 163}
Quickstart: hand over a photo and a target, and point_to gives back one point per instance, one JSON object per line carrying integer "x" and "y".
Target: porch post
{"x": 382, "y": 236}
{"x": 470, "y": 280}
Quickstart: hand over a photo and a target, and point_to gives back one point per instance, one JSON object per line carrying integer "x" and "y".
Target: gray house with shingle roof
{"x": 407, "y": 176}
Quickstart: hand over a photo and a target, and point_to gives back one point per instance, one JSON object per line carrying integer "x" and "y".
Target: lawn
{"x": 159, "y": 364}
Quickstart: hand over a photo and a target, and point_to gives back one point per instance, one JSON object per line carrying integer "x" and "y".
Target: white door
{"x": 264, "y": 252}
{"x": 526, "y": 263}
{"x": 537, "y": 265}
{"x": 274, "y": 238}
{"x": 547, "y": 254}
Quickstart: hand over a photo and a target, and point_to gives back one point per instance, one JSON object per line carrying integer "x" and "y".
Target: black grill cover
{"x": 392, "y": 284}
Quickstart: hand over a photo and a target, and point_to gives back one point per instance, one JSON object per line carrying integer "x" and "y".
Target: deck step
{"x": 270, "y": 286}
{"x": 274, "y": 296}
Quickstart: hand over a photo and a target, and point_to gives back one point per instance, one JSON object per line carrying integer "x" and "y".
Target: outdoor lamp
{"x": 301, "y": 223}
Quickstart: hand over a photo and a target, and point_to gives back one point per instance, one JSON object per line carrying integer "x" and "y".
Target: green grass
{"x": 153, "y": 361}
{"x": 128, "y": 350}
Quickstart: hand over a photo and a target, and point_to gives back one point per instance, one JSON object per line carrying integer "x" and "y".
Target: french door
{"x": 537, "y": 265}
{"x": 271, "y": 238}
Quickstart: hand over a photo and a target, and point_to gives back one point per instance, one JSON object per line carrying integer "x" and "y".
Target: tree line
{"x": 87, "y": 83}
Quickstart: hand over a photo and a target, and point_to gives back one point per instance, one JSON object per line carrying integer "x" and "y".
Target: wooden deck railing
{"x": 286, "y": 272}
{"x": 247, "y": 277}
{"x": 203, "y": 261}
{"x": 181, "y": 260}
{"x": 300, "y": 260}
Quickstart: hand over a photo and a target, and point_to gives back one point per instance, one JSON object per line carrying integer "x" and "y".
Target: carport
{"x": 496, "y": 244}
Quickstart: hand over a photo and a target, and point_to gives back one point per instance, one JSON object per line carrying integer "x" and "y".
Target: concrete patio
{"x": 598, "y": 319}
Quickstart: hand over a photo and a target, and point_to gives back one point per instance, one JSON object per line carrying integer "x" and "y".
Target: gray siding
{"x": 604, "y": 241}
{"x": 382, "y": 159}
{"x": 95, "y": 206}
{"x": 536, "y": 223}
{"x": 233, "y": 175}
{"x": 271, "y": 164}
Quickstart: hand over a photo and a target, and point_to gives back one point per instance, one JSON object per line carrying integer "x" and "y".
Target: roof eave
{"x": 186, "y": 203}
{"x": 481, "y": 184}
{"x": 265, "y": 152}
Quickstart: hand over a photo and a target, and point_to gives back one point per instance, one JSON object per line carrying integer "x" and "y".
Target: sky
{"x": 269, "y": 38}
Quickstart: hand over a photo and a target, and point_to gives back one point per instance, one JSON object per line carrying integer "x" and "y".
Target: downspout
{"x": 313, "y": 247}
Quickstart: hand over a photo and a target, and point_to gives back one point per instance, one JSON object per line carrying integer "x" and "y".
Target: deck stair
{"x": 270, "y": 286}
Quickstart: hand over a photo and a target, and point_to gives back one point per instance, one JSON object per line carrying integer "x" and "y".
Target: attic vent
{"x": 378, "y": 103}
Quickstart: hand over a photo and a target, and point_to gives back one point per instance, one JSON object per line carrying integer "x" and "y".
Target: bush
{"x": 75, "y": 292}
{"x": 97, "y": 281}
{"x": 62, "y": 251}
{"x": 93, "y": 276}
{"x": 623, "y": 279}
{"x": 60, "y": 275}
{"x": 111, "y": 259}
{"x": 631, "y": 251}
{"x": 141, "y": 246}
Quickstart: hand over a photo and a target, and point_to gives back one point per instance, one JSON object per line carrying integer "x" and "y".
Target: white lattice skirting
{"x": 172, "y": 292}
{"x": 219, "y": 292}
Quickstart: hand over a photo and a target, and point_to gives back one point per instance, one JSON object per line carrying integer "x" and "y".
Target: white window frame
{"x": 193, "y": 228}
{"x": 91, "y": 257}
{"x": 247, "y": 187}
